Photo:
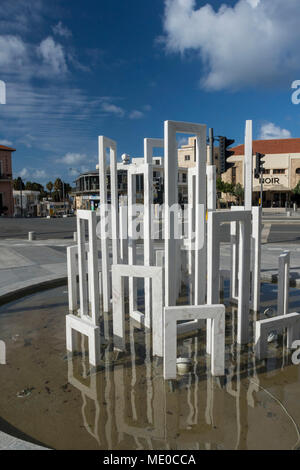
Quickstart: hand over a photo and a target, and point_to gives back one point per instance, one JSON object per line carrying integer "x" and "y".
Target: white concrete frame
{"x": 215, "y": 313}
{"x": 146, "y": 170}
{"x": 211, "y": 174}
{"x": 89, "y": 295}
{"x": 123, "y": 233}
{"x": 2, "y": 353}
{"x": 171, "y": 198}
{"x": 255, "y": 257}
{"x": 283, "y": 283}
{"x": 119, "y": 272}
{"x": 211, "y": 205}
{"x": 149, "y": 145}
{"x": 87, "y": 321}
{"x": 84, "y": 326}
{"x": 72, "y": 269}
{"x": 290, "y": 321}
{"x": 248, "y": 166}
{"x": 105, "y": 143}
{"x": 214, "y": 236}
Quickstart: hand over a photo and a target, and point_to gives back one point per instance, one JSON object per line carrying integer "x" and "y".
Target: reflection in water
{"x": 126, "y": 403}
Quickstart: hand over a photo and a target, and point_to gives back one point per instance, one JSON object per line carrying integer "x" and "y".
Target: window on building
{"x": 157, "y": 162}
{"x": 187, "y": 157}
{"x": 184, "y": 177}
{"x": 266, "y": 171}
{"x": 233, "y": 175}
{"x": 279, "y": 171}
{"x": 298, "y": 171}
{"x": 1, "y": 168}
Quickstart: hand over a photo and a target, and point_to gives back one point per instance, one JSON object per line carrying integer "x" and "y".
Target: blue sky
{"x": 78, "y": 69}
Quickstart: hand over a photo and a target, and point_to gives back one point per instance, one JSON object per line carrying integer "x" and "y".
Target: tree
{"x": 18, "y": 184}
{"x": 58, "y": 185}
{"x": 296, "y": 193}
{"x": 223, "y": 187}
{"x": 33, "y": 186}
{"x": 49, "y": 186}
{"x": 238, "y": 192}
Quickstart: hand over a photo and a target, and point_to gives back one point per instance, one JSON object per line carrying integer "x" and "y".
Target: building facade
{"x": 26, "y": 203}
{"x": 86, "y": 195}
{"x": 187, "y": 155}
{"x": 6, "y": 182}
{"x": 281, "y": 170}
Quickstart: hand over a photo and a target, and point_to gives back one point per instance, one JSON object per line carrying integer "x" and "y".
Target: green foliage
{"x": 296, "y": 190}
{"x": 238, "y": 192}
{"x": 49, "y": 186}
{"x": 18, "y": 184}
{"x": 224, "y": 187}
{"x": 296, "y": 193}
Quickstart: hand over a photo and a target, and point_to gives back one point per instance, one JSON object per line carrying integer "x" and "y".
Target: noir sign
{"x": 270, "y": 181}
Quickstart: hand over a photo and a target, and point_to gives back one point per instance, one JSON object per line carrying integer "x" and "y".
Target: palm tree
{"x": 49, "y": 186}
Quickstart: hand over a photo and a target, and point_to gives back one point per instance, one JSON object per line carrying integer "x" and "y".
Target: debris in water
{"x": 25, "y": 393}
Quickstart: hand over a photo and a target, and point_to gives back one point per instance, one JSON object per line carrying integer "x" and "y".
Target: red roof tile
{"x": 274, "y": 146}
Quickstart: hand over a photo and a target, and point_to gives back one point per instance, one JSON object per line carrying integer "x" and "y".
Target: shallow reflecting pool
{"x": 58, "y": 401}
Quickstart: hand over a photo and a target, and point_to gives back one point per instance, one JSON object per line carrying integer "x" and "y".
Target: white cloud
{"x": 24, "y": 173}
{"x": 53, "y": 56}
{"x": 182, "y": 141}
{"x": 135, "y": 114}
{"x": 61, "y": 30}
{"x": 251, "y": 43}
{"x": 13, "y": 51}
{"x": 253, "y": 3}
{"x": 8, "y": 143}
{"x": 73, "y": 158}
{"x": 113, "y": 109}
{"x": 271, "y": 131}
{"x": 39, "y": 174}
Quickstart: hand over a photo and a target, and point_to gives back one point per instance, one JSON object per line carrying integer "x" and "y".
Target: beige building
{"x": 187, "y": 155}
{"x": 281, "y": 170}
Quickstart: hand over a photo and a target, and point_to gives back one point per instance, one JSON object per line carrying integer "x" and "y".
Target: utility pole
{"x": 64, "y": 196}
{"x": 21, "y": 195}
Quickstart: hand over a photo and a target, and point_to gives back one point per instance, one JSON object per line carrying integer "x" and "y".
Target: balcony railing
{"x": 6, "y": 177}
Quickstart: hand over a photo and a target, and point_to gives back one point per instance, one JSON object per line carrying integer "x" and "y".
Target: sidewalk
{"x": 25, "y": 264}
{"x": 269, "y": 264}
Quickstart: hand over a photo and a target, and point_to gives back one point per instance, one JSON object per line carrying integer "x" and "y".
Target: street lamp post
{"x": 21, "y": 194}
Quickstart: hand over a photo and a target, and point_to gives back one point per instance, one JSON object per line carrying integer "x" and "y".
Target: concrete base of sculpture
{"x": 84, "y": 326}
{"x": 215, "y": 313}
{"x": 291, "y": 322}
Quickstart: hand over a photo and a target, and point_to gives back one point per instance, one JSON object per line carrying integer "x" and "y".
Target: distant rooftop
{"x": 273, "y": 146}
{"x": 3, "y": 147}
